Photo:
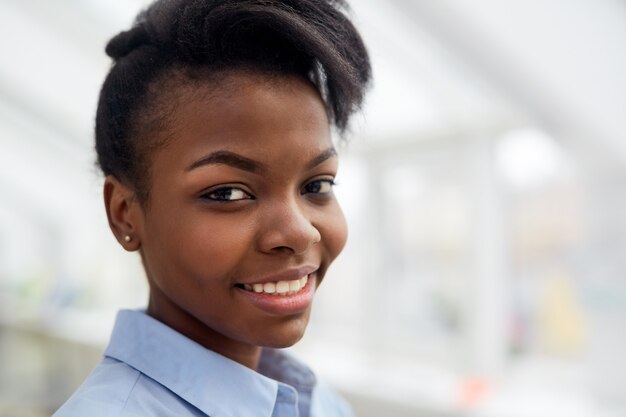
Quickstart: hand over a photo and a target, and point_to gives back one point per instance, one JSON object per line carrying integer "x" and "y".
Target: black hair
{"x": 200, "y": 39}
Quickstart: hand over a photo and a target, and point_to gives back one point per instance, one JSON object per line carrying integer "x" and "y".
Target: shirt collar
{"x": 278, "y": 365}
{"x": 213, "y": 383}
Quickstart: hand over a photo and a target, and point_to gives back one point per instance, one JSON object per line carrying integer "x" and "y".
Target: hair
{"x": 178, "y": 42}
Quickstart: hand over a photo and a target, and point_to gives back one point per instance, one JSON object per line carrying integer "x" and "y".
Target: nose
{"x": 286, "y": 227}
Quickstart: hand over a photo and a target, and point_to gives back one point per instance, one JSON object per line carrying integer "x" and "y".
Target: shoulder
{"x": 104, "y": 392}
{"x": 327, "y": 403}
{"x": 115, "y": 389}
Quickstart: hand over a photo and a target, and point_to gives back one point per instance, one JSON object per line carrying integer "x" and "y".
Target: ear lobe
{"x": 123, "y": 213}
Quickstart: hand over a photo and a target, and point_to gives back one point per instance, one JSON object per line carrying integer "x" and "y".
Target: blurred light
{"x": 529, "y": 158}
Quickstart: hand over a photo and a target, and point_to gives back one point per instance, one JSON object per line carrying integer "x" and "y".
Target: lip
{"x": 288, "y": 275}
{"x": 283, "y": 305}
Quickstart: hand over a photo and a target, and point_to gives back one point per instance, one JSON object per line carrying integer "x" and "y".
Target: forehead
{"x": 260, "y": 115}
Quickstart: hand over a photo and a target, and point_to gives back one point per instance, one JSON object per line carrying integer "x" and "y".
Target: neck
{"x": 192, "y": 328}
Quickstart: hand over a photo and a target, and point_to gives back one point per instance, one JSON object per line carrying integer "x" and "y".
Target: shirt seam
{"x": 129, "y": 394}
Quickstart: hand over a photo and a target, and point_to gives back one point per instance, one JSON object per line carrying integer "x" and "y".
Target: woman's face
{"x": 242, "y": 222}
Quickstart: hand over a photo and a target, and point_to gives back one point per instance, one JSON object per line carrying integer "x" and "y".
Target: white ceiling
{"x": 562, "y": 62}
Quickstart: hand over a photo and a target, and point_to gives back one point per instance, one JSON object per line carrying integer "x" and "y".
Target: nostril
{"x": 290, "y": 232}
{"x": 283, "y": 249}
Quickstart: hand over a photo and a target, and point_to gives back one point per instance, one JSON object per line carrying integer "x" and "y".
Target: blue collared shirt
{"x": 150, "y": 370}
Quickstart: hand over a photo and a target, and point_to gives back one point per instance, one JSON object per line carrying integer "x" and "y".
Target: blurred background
{"x": 484, "y": 185}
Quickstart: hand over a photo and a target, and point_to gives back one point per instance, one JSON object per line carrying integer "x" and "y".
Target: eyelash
{"x": 331, "y": 183}
{"x": 224, "y": 190}
{"x": 211, "y": 195}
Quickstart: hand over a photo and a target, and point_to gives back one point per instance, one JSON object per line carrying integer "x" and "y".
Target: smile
{"x": 278, "y": 288}
{"x": 286, "y": 293}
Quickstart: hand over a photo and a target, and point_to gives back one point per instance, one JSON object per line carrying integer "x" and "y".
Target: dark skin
{"x": 241, "y": 192}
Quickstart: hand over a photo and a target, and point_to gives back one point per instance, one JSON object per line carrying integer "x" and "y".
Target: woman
{"x": 213, "y": 131}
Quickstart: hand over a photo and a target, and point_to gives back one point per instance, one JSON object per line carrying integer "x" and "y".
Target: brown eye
{"x": 227, "y": 194}
{"x": 319, "y": 187}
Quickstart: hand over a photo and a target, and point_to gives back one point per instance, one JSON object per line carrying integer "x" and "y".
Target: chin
{"x": 286, "y": 335}
{"x": 284, "y": 342}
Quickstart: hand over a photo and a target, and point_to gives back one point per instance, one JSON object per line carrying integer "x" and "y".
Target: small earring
{"x": 127, "y": 238}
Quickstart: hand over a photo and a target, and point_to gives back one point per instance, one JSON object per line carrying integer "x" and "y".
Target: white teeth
{"x": 282, "y": 287}
{"x": 278, "y": 288}
{"x": 269, "y": 287}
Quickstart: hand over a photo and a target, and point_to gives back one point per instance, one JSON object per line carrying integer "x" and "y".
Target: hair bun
{"x": 125, "y": 42}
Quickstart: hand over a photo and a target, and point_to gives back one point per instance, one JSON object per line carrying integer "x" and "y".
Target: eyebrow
{"x": 247, "y": 164}
{"x": 327, "y": 154}
{"x": 227, "y": 158}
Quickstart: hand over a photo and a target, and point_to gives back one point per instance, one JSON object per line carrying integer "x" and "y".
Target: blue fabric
{"x": 150, "y": 370}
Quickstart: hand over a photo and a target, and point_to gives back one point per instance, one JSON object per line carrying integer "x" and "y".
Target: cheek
{"x": 214, "y": 246}
{"x": 334, "y": 230}
{"x": 199, "y": 249}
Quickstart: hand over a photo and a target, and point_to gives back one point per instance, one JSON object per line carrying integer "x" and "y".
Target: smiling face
{"x": 241, "y": 223}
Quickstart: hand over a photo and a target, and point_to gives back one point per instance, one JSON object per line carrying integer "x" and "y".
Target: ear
{"x": 124, "y": 213}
